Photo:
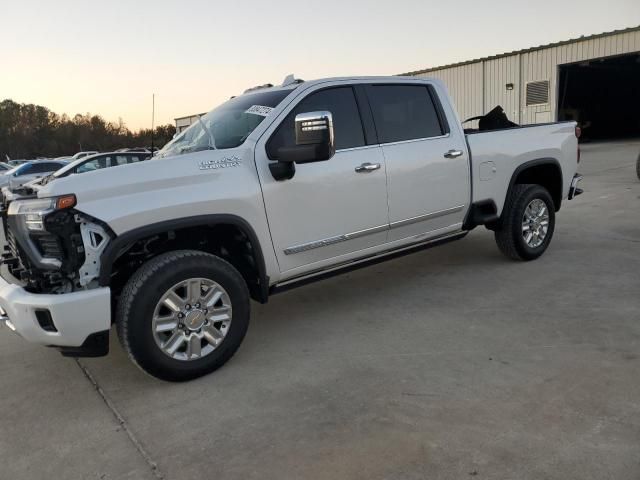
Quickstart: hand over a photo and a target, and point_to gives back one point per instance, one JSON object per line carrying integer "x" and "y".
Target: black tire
{"x": 509, "y": 235}
{"x": 638, "y": 167}
{"x": 143, "y": 291}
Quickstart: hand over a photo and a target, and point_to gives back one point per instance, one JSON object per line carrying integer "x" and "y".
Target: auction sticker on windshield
{"x": 259, "y": 110}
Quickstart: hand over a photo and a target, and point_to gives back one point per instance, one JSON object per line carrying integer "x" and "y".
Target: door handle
{"x": 367, "y": 167}
{"x": 453, "y": 154}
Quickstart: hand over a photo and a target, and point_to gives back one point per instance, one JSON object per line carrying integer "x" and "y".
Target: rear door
{"x": 426, "y": 160}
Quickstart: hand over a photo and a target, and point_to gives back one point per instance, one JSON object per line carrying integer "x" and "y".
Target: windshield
{"x": 20, "y": 169}
{"x": 68, "y": 167}
{"x": 227, "y": 126}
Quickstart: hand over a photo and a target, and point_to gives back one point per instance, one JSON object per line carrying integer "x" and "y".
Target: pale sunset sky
{"x": 108, "y": 57}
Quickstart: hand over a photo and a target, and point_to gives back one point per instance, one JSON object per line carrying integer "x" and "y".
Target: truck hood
{"x": 178, "y": 186}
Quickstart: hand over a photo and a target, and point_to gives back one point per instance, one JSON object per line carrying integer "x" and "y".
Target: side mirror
{"x": 314, "y": 143}
{"x": 314, "y": 139}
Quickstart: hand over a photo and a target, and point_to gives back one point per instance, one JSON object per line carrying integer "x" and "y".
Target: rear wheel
{"x": 638, "y": 167}
{"x": 183, "y": 314}
{"x": 528, "y": 223}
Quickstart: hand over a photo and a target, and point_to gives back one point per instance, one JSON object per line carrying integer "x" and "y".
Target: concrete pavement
{"x": 450, "y": 363}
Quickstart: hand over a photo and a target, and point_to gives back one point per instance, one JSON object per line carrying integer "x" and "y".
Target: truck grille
{"x": 11, "y": 255}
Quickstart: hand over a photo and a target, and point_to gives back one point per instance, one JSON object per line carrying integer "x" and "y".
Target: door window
{"x": 341, "y": 102}
{"x": 403, "y": 112}
{"x": 42, "y": 167}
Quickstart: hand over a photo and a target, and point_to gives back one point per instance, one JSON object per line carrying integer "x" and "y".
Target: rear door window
{"x": 403, "y": 112}
{"x": 42, "y": 167}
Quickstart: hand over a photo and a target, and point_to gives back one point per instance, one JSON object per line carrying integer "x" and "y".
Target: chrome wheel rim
{"x": 535, "y": 223}
{"x": 192, "y": 319}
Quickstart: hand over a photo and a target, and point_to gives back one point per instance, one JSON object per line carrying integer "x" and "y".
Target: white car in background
{"x": 28, "y": 171}
{"x": 80, "y": 155}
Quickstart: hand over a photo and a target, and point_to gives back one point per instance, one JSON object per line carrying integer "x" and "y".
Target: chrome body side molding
{"x": 417, "y": 244}
{"x": 331, "y": 240}
{"x": 428, "y": 216}
{"x": 369, "y": 231}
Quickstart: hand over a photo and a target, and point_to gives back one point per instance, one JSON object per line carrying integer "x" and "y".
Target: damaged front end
{"x": 51, "y": 247}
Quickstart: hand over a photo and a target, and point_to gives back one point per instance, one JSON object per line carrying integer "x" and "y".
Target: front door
{"x": 331, "y": 208}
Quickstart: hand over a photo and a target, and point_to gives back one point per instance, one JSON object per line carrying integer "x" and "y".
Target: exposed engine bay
{"x": 56, "y": 253}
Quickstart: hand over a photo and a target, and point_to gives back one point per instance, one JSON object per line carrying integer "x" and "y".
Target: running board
{"x": 351, "y": 265}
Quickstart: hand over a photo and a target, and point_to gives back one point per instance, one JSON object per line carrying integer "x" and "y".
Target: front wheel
{"x": 528, "y": 223}
{"x": 183, "y": 314}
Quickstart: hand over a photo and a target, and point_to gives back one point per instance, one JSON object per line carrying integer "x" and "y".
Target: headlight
{"x": 19, "y": 207}
{"x": 34, "y": 211}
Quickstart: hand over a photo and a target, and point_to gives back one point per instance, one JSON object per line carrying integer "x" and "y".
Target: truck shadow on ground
{"x": 309, "y": 316}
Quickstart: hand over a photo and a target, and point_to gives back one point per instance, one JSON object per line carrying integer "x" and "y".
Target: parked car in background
{"x": 28, "y": 171}
{"x": 17, "y": 191}
{"x": 134, "y": 149}
{"x": 80, "y": 155}
{"x": 15, "y": 163}
{"x": 99, "y": 161}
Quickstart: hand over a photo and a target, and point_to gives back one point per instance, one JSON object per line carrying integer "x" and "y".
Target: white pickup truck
{"x": 274, "y": 188}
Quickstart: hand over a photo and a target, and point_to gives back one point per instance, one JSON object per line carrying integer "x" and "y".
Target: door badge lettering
{"x": 226, "y": 162}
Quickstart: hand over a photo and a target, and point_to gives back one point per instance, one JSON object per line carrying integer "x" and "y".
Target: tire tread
{"x": 507, "y": 235}
{"x": 137, "y": 282}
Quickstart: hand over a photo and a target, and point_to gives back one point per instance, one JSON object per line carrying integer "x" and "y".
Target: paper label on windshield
{"x": 259, "y": 110}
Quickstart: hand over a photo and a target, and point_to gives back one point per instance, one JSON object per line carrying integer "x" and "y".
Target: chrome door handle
{"x": 367, "y": 167}
{"x": 453, "y": 154}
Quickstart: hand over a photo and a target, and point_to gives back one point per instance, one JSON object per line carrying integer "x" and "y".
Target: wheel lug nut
{"x": 197, "y": 305}
{"x": 187, "y": 306}
{"x": 181, "y": 315}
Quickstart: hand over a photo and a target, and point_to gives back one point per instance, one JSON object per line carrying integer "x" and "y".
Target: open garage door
{"x": 603, "y": 95}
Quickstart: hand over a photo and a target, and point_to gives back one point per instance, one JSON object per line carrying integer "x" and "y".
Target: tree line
{"x": 30, "y": 131}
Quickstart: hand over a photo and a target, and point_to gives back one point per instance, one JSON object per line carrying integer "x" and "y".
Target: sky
{"x": 108, "y": 58}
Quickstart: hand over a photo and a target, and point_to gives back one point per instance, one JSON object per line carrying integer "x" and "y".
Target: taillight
{"x": 578, "y": 133}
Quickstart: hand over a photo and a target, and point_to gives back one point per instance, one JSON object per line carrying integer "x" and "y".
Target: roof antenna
{"x": 290, "y": 80}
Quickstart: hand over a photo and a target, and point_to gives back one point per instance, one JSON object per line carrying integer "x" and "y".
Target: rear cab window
{"x": 405, "y": 112}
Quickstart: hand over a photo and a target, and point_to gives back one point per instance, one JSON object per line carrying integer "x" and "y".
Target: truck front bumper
{"x": 70, "y": 321}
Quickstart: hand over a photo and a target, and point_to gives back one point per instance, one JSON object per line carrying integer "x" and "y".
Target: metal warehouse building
{"x": 182, "y": 123}
{"x": 594, "y": 80}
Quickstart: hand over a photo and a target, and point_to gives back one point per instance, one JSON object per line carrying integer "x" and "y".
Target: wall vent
{"x": 538, "y": 92}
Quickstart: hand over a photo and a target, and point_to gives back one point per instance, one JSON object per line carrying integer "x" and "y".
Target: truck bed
{"x": 496, "y": 154}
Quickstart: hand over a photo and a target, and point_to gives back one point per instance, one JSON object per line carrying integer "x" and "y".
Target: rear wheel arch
{"x": 203, "y": 226}
{"x": 545, "y": 172}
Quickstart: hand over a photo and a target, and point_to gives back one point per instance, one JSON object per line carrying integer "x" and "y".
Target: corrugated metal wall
{"x": 465, "y": 87}
{"x": 479, "y": 86}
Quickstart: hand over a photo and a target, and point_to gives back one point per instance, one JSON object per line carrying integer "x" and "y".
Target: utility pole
{"x": 153, "y": 117}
